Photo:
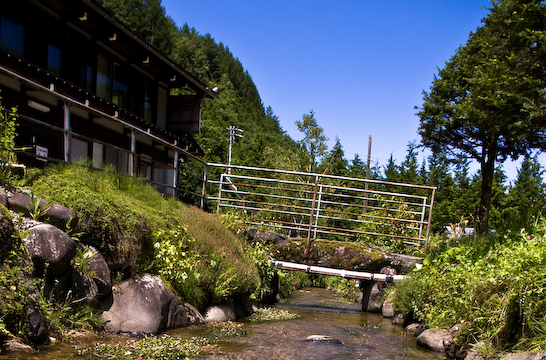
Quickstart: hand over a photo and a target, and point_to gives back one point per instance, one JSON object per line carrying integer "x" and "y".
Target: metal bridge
{"x": 315, "y": 206}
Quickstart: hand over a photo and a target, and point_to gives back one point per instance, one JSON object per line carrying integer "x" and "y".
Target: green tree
{"x": 409, "y": 168}
{"x": 392, "y": 171}
{"x": 527, "y": 197}
{"x": 314, "y": 140}
{"x": 334, "y": 162}
{"x": 488, "y": 102}
{"x": 439, "y": 175}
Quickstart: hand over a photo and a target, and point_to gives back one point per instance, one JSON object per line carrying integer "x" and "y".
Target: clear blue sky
{"x": 360, "y": 65}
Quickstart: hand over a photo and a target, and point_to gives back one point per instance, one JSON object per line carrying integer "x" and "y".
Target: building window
{"x": 87, "y": 77}
{"x": 12, "y": 36}
{"x": 104, "y": 78}
{"x": 148, "y": 112}
{"x": 120, "y": 93}
{"x": 54, "y": 59}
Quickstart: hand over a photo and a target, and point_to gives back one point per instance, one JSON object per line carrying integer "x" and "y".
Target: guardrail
{"x": 319, "y": 206}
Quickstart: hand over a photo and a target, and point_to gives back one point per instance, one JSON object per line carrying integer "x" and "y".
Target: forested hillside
{"x": 265, "y": 143}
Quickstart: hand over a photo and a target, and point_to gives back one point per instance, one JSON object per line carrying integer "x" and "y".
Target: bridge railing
{"x": 319, "y": 206}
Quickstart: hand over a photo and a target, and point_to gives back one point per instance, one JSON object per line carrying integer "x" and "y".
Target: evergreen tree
{"x": 334, "y": 163}
{"x": 392, "y": 171}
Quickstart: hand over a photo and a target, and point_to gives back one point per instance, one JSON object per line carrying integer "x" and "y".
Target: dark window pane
{"x": 54, "y": 59}
{"x": 12, "y": 36}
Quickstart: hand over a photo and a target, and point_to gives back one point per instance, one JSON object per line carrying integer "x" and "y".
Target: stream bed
{"x": 362, "y": 335}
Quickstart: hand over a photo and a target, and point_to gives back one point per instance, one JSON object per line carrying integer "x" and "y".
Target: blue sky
{"x": 360, "y": 65}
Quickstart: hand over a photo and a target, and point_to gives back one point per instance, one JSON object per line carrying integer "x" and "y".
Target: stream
{"x": 363, "y": 335}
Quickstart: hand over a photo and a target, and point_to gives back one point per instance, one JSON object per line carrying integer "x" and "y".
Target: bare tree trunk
{"x": 487, "y": 164}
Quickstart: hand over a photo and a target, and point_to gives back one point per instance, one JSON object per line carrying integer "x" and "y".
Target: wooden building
{"x": 87, "y": 87}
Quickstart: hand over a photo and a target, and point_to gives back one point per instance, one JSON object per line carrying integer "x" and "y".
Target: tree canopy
{"x": 488, "y": 102}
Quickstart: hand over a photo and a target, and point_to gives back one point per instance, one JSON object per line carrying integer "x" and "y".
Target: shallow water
{"x": 364, "y": 336}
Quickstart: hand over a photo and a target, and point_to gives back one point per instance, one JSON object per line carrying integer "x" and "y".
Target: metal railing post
{"x": 429, "y": 218}
{"x": 307, "y": 247}
{"x": 219, "y": 194}
{"x": 204, "y": 187}
{"x": 318, "y": 213}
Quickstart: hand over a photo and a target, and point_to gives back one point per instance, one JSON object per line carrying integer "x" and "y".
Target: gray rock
{"x": 15, "y": 346}
{"x": 220, "y": 313}
{"x": 449, "y": 343}
{"x": 99, "y": 267}
{"x": 323, "y": 339}
{"x": 145, "y": 305}
{"x": 56, "y": 215}
{"x": 20, "y": 203}
{"x": 541, "y": 355}
{"x": 399, "y": 319}
{"x": 37, "y": 327}
{"x": 182, "y": 315}
{"x": 412, "y": 328}
{"x": 373, "y": 292}
{"x": 432, "y": 339}
{"x": 334, "y": 254}
{"x": 61, "y": 216}
{"x": 474, "y": 355}
{"x": 50, "y": 248}
{"x": 387, "y": 310}
{"x": 265, "y": 237}
{"x": 403, "y": 264}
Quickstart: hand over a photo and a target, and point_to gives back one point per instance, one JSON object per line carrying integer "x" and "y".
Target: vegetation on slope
{"x": 137, "y": 229}
{"x": 493, "y": 286}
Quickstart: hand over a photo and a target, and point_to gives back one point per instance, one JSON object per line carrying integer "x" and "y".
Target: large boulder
{"x": 433, "y": 339}
{"x": 51, "y": 249}
{"x": 144, "y": 305}
{"x": 61, "y": 217}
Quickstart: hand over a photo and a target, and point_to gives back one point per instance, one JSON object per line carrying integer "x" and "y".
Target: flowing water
{"x": 362, "y": 335}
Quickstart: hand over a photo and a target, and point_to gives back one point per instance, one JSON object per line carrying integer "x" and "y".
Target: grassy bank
{"x": 139, "y": 230}
{"x": 494, "y": 286}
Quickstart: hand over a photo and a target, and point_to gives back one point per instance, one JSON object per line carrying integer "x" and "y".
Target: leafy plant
{"x": 36, "y": 210}
{"x": 8, "y": 126}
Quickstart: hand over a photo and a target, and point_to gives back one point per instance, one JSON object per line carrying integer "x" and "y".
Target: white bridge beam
{"x": 361, "y": 275}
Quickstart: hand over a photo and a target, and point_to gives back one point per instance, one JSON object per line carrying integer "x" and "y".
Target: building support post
{"x": 132, "y": 155}
{"x": 67, "y": 134}
{"x": 175, "y": 175}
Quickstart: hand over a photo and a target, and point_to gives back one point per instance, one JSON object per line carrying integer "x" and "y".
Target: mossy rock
{"x": 335, "y": 254}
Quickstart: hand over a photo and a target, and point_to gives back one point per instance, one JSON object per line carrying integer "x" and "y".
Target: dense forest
{"x": 514, "y": 205}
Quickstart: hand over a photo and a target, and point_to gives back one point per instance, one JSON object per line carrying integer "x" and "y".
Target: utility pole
{"x": 233, "y": 133}
{"x": 367, "y": 174}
